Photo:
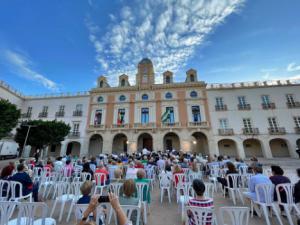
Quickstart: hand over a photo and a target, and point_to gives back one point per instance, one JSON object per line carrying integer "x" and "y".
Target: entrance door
{"x": 169, "y": 144}
{"x": 147, "y": 143}
{"x": 125, "y": 146}
{"x": 69, "y": 149}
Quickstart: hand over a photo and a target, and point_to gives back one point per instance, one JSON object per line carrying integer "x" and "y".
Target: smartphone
{"x": 103, "y": 198}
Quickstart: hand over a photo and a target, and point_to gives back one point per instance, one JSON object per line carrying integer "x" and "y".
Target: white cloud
{"x": 293, "y": 67}
{"x": 166, "y": 31}
{"x": 22, "y": 66}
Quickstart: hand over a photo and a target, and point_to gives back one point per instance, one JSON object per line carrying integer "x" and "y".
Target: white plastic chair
{"x": 16, "y": 189}
{"x": 234, "y": 180}
{"x": 289, "y": 205}
{"x": 115, "y": 188}
{"x": 80, "y": 208}
{"x": 214, "y": 173}
{"x": 200, "y": 215}
{"x": 75, "y": 190}
{"x": 237, "y": 215}
{"x": 144, "y": 199}
{"x": 243, "y": 169}
{"x": 180, "y": 177}
{"x": 188, "y": 194}
{"x": 64, "y": 195}
{"x": 85, "y": 176}
{"x": 267, "y": 191}
{"x": 165, "y": 185}
{"x": 6, "y": 211}
{"x": 129, "y": 209}
{"x": 100, "y": 177}
{"x": 209, "y": 190}
{"x": 4, "y": 190}
{"x": 27, "y": 214}
{"x": 93, "y": 167}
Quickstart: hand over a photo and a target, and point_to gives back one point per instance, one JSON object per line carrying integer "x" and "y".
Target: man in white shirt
{"x": 161, "y": 163}
{"x": 145, "y": 151}
{"x": 131, "y": 171}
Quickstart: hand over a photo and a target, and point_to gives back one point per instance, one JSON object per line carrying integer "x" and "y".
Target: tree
{"x": 9, "y": 115}
{"x": 43, "y": 134}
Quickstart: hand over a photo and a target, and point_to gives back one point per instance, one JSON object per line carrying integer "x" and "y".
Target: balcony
{"x": 276, "y": 130}
{"x": 74, "y": 134}
{"x": 120, "y": 126}
{"x": 77, "y": 113}
{"x": 203, "y": 124}
{"x": 169, "y": 125}
{"x": 291, "y": 105}
{"x": 221, "y": 107}
{"x": 297, "y": 130}
{"x": 144, "y": 125}
{"x": 250, "y": 131}
{"x": 60, "y": 114}
{"x": 244, "y": 106}
{"x": 26, "y": 115}
{"x": 226, "y": 132}
{"x": 43, "y": 114}
{"x": 268, "y": 105}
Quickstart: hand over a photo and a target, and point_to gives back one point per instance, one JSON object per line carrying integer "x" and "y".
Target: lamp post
{"x": 29, "y": 126}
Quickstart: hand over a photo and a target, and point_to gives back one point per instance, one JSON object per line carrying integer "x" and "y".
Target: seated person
{"x": 118, "y": 175}
{"x": 87, "y": 169}
{"x": 131, "y": 171}
{"x": 297, "y": 189}
{"x": 177, "y": 170}
{"x": 68, "y": 168}
{"x": 102, "y": 169}
{"x": 86, "y": 189}
{"x": 199, "y": 200}
{"x": 141, "y": 178}
{"x": 231, "y": 170}
{"x": 278, "y": 178}
{"x": 27, "y": 184}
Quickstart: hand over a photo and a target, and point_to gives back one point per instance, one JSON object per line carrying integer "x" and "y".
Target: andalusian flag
{"x": 120, "y": 119}
{"x": 166, "y": 116}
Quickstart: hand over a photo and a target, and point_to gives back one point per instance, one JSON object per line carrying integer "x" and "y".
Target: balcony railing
{"x": 97, "y": 126}
{"x": 26, "y": 115}
{"x": 198, "y": 124}
{"x": 244, "y": 106}
{"x": 226, "y": 132}
{"x": 77, "y": 113}
{"x": 43, "y": 114}
{"x": 277, "y": 130}
{"x": 165, "y": 125}
{"x": 297, "y": 130}
{"x": 221, "y": 107}
{"x": 293, "y": 104}
{"x": 144, "y": 125}
{"x": 74, "y": 134}
{"x": 268, "y": 105}
{"x": 120, "y": 126}
{"x": 251, "y": 131}
{"x": 60, "y": 114}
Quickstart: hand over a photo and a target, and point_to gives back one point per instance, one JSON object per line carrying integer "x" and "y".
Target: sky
{"x": 63, "y": 46}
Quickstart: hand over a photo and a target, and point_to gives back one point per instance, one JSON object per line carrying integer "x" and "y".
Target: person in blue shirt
{"x": 86, "y": 189}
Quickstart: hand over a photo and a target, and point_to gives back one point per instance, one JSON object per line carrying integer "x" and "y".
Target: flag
{"x": 120, "y": 118}
{"x": 165, "y": 116}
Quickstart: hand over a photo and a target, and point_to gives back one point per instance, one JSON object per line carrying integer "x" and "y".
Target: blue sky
{"x": 62, "y": 46}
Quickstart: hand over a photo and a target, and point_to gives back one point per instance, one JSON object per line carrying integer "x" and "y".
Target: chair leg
{"x": 265, "y": 211}
{"x": 70, "y": 210}
{"x": 53, "y": 208}
{"x": 276, "y": 211}
{"x": 61, "y": 210}
{"x": 145, "y": 212}
{"x": 161, "y": 194}
{"x": 169, "y": 195}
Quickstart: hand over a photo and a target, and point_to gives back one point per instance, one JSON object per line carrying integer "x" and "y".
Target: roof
{"x": 145, "y": 61}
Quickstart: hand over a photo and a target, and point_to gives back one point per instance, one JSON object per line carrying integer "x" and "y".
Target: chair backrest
{"x": 75, "y": 188}
{"x": 93, "y": 167}
{"x": 67, "y": 171}
{"x": 245, "y": 178}
{"x": 264, "y": 193}
{"x": 237, "y": 215}
{"x": 233, "y": 180}
{"x": 129, "y": 209}
{"x": 288, "y": 189}
{"x": 30, "y": 211}
{"x": 180, "y": 177}
{"x": 199, "y": 215}
{"x": 86, "y": 176}
{"x": 243, "y": 169}
{"x": 115, "y": 188}
{"x": 209, "y": 190}
{"x": 4, "y": 189}
{"x": 188, "y": 192}
{"x": 164, "y": 181}
{"x": 16, "y": 189}
{"x": 150, "y": 172}
{"x": 192, "y": 176}
{"x": 100, "y": 178}
{"x": 63, "y": 188}
{"x": 37, "y": 171}
{"x": 214, "y": 170}
{"x": 6, "y": 211}
{"x": 141, "y": 189}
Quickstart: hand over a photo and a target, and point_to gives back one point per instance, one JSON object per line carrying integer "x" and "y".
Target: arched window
{"x": 122, "y": 98}
{"x": 193, "y": 94}
{"x": 192, "y": 77}
{"x": 100, "y": 99}
{"x": 168, "y": 79}
{"x": 122, "y": 82}
{"x": 145, "y": 97}
{"x": 101, "y": 83}
{"x": 168, "y": 95}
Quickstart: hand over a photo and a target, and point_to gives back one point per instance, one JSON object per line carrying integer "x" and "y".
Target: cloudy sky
{"x": 62, "y": 46}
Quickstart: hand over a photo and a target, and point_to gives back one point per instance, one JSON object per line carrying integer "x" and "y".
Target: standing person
{"x": 37, "y": 155}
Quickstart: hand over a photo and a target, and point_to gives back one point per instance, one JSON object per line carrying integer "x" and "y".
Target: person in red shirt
{"x": 102, "y": 169}
{"x": 177, "y": 170}
{"x": 139, "y": 165}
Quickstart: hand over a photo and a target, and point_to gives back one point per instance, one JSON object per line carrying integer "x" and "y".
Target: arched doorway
{"x": 171, "y": 141}
{"x": 119, "y": 144}
{"x": 145, "y": 140}
{"x": 73, "y": 148}
{"x": 95, "y": 145}
{"x": 279, "y": 148}
{"x": 227, "y": 147}
{"x": 252, "y": 147}
{"x": 199, "y": 143}
{"x": 54, "y": 150}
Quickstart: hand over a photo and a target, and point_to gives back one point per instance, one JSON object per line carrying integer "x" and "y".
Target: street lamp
{"x": 194, "y": 142}
{"x": 29, "y": 126}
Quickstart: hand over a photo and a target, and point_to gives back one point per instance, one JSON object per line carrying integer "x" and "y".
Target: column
{"x": 107, "y": 143}
{"x": 63, "y": 148}
{"x": 158, "y": 144}
{"x": 213, "y": 147}
{"x": 266, "y": 149}
{"x": 84, "y": 148}
{"x": 240, "y": 149}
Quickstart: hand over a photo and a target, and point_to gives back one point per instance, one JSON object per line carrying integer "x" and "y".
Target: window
{"x": 29, "y": 110}
{"x": 79, "y": 107}
{"x": 76, "y": 127}
{"x": 121, "y": 116}
{"x": 98, "y": 117}
{"x": 219, "y": 102}
{"x": 45, "y": 109}
{"x": 168, "y": 79}
{"x": 145, "y": 115}
{"x": 192, "y": 78}
{"x": 242, "y": 100}
{"x": 122, "y": 98}
{"x": 196, "y": 113}
{"x": 145, "y": 97}
{"x": 247, "y": 124}
{"x": 61, "y": 109}
{"x": 101, "y": 83}
{"x": 223, "y": 124}
{"x": 265, "y": 99}
{"x": 193, "y": 94}
{"x": 168, "y": 95}
{"x": 100, "y": 99}
{"x": 122, "y": 82}
{"x": 273, "y": 124}
{"x": 290, "y": 99}
{"x": 297, "y": 121}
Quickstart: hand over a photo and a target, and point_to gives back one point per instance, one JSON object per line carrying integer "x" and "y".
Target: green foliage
{"x": 9, "y": 115}
{"x": 43, "y": 133}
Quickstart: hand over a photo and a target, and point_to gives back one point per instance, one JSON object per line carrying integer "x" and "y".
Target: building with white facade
{"x": 242, "y": 119}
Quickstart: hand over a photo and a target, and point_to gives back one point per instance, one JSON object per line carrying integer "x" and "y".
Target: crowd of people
{"x": 132, "y": 169}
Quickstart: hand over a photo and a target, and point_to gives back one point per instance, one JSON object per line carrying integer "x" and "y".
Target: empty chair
{"x": 75, "y": 190}
{"x": 199, "y": 215}
{"x": 236, "y": 215}
{"x": 165, "y": 185}
{"x": 6, "y": 211}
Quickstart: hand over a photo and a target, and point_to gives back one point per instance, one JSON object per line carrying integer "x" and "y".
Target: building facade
{"x": 241, "y": 119}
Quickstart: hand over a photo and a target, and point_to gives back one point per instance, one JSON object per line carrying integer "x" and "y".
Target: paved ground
{"x": 168, "y": 214}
